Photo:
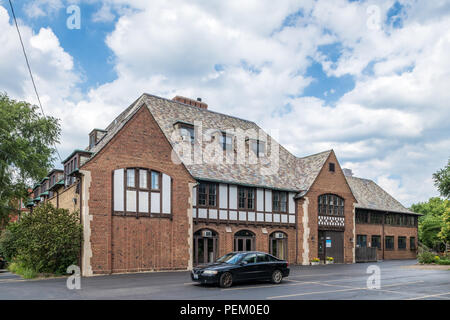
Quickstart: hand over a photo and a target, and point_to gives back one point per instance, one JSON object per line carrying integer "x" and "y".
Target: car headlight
{"x": 210, "y": 272}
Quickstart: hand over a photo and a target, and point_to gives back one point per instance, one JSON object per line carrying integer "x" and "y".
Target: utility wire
{"x": 29, "y": 68}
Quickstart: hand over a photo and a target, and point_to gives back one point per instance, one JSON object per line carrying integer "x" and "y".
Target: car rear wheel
{"x": 226, "y": 280}
{"x": 277, "y": 276}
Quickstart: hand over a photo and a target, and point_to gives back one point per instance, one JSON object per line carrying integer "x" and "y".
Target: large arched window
{"x": 331, "y": 204}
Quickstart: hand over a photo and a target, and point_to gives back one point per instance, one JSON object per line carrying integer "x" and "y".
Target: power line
{"x": 29, "y": 68}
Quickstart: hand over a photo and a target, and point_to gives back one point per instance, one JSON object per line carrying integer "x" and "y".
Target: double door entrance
{"x": 331, "y": 244}
{"x": 205, "y": 247}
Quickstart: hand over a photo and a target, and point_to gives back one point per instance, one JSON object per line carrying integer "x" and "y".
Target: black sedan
{"x": 241, "y": 266}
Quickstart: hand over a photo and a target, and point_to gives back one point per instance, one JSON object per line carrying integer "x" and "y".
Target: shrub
{"x": 427, "y": 257}
{"x": 445, "y": 262}
{"x": 47, "y": 241}
{"x": 22, "y": 270}
{"x": 8, "y": 241}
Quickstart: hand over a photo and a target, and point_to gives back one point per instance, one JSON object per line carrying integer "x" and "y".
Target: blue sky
{"x": 364, "y": 78}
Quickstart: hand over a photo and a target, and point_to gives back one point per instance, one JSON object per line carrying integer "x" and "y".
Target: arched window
{"x": 331, "y": 204}
{"x": 244, "y": 240}
{"x": 205, "y": 246}
{"x": 278, "y": 245}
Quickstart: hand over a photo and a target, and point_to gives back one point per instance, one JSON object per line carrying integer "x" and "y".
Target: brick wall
{"x": 65, "y": 198}
{"x": 127, "y": 244}
{"x": 326, "y": 182}
{"x": 226, "y": 239}
{"x": 370, "y": 229}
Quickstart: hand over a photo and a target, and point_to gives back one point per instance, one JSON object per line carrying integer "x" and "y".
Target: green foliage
{"x": 442, "y": 180}
{"x": 433, "y": 225}
{"x": 22, "y": 270}
{"x": 8, "y": 241}
{"x": 47, "y": 241}
{"x": 429, "y": 228}
{"x": 427, "y": 257}
{"x": 444, "y": 262}
{"x": 26, "y": 149}
{"x": 434, "y": 206}
{"x": 444, "y": 234}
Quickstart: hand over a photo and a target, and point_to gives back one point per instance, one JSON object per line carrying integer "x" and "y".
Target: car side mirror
{"x": 243, "y": 263}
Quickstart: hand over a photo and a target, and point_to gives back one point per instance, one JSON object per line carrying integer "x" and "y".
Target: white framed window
{"x": 140, "y": 191}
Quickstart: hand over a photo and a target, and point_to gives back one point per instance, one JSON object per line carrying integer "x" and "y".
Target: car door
{"x": 265, "y": 266}
{"x": 249, "y": 269}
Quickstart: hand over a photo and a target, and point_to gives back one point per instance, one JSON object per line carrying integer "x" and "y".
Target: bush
{"x": 427, "y": 257}
{"x": 22, "y": 270}
{"x": 47, "y": 241}
{"x": 8, "y": 241}
{"x": 445, "y": 262}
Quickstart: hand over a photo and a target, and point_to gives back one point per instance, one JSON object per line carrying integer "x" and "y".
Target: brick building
{"x": 170, "y": 184}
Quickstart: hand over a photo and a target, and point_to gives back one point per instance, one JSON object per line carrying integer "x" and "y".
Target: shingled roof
{"x": 371, "y": 196}
{"x": 293, "y": 174}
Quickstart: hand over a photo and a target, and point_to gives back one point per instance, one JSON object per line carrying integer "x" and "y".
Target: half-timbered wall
{"x": 226, "y": 209}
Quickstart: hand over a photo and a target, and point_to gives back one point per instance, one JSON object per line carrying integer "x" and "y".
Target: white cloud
{"x": 237, "y": 55}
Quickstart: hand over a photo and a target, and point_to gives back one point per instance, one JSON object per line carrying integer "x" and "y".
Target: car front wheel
{"x": 277, "y": 276}
{"x": 226, "y": 280}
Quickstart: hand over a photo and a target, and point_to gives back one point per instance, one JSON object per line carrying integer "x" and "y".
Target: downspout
{"x": 383, "y": 240}
{"x": 81, "y": 223}
{"x": 296, "y": 231}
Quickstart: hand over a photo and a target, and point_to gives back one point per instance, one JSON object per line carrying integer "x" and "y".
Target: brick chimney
{"x": 197, "y": 103}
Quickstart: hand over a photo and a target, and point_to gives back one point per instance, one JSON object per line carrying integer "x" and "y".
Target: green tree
{"x": 26, "y": 149}
{"x": 432, "y": 222}
{"x": 442, "y": 180}
{"x": 444, "y": 234}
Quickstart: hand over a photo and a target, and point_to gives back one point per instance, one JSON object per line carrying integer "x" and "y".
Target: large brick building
{"x": 170, "y": 184}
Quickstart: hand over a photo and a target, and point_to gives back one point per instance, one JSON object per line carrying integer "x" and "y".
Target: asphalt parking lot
{"x": 349, "y": 282}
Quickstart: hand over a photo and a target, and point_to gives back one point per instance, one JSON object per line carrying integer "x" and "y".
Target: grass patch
{"x": 21, "y": 270}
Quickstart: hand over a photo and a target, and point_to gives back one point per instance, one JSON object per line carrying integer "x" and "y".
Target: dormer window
{"x": 226, "y": 141}
{"x": 91, "y": 141}
{"x": 187, "y": 133}
{"x": 95, "y": 136}
{"x": 72, "y": 164}
{"x": 258, "y": 147}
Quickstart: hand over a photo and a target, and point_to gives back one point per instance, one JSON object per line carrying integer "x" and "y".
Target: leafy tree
{"x": 26, "y": 149}
{"x": 444, "y": 234}
{"x": 432, "y": 222}
{"x": 442, "y": 180}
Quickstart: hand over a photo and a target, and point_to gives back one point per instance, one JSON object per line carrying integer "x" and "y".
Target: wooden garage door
{"x": 334, "y": 245}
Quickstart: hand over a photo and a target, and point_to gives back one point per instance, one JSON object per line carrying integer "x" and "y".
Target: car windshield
{"x": 231, "y": 258}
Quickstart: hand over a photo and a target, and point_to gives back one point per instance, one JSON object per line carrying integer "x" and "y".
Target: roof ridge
{"x": 196, "y": 108}
{"x": 315, "y": 154}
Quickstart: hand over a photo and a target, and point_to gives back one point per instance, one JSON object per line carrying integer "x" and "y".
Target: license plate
{"x": 195, "y": 276}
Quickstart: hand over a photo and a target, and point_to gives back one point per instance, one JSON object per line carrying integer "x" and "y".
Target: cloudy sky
{"x": 369, "y": 79}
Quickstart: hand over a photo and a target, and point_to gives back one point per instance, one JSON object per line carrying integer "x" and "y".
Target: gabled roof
{"x": 293, "y": 174}
{"x": 371, "y": 196}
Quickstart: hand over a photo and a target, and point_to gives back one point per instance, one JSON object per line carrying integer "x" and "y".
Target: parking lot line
{"x": 348, "y": 288}
{"x": 314, "y": 292}
{"x": 440, "y": 295}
